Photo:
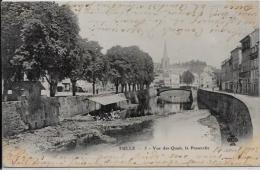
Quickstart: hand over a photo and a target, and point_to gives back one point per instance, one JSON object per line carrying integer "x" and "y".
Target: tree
{"x": 13, "y": 16}
{"x": 106, "y": 71}
{"x": 78, "y": 63}
{"x": 141, "y": 66}
{"x": 97, "y": 66}
{"x": 47, "y": 40}
{"x": 187, "y": 77}
{"x": 149, "y": 70}
{"x": 119, "y": 65}
{"x": 130, "y": 65}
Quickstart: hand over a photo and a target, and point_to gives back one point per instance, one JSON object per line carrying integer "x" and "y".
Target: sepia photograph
{"x": 91, "y": 84}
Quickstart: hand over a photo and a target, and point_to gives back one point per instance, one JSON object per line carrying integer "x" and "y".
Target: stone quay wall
{"x": 232, "y": 114}
{"x": 29, "y": 114}
{"x": 74, "y": 105}
{"x": 12, "y": 122}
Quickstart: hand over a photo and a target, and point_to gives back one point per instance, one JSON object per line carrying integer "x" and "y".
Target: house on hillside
{"x": 208, "y": 78}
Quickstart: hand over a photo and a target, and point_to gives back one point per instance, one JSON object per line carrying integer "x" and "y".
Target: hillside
{"x": 195, "y": 66}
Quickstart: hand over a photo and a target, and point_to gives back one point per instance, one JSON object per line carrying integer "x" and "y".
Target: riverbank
{"x": 152, "y": 131}
{"x": 81, "y": 141}
{"x": 237, "y": 114}
{"x": 70, "y": 133}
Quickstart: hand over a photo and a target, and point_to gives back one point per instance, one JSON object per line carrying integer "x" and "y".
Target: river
{"x": 183, "y": 133}
{"x": 185, "y": 126}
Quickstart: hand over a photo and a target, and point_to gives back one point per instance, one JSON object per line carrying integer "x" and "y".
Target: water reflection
{"x": 165, "y": 103}
{"x": 160, "y": 105}
{"x": 172, "y": 107}
{"x": 157, "y": 106}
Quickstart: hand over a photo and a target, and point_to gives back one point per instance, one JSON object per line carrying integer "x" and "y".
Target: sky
{"x": 205, "y": 31}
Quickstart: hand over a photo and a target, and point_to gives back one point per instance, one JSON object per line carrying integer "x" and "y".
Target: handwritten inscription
{"x": 156, "y": 156}
{"x": 167, "y": 18}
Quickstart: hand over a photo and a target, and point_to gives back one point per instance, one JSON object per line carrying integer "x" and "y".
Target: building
{"x": 196, "y": 81}
{"x": 254, "y": 62}
{"x": 207, "y": 78}
{"x": 228, "y": 83}
{"x": 82, "y": 86}
{"x": 245, "y": 66}
{"x": 62, "y": 86}
{"x": 165, "y": 61}
{"x": 249, "y": 73}
{"x": 236, "y": 60}
{"x": 175, "y": 80}
{"x": 157, "y": 80}
{"x": 240, "y": 73}
{"x": 157, "y": 68}
{"x": 166, "y": 76}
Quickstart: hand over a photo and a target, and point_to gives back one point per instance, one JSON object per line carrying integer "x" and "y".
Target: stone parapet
{"x": 239, "y": 114}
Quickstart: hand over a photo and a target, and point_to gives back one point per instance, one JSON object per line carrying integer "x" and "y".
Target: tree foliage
{"x": 98, "y": 64}
{"x": 48, "y": 39}
{"x": 130, "y": 65}
{"x": 78, "y": 63}
{"x": 13, "y": 17}
{"x": 41, "y": 39}
{"x": 187, "y": 77}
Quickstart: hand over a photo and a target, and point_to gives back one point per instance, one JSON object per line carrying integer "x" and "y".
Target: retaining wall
{"x": 40, "y": 112}
{"x": 23, "y": 115}
{"x": 73, "y": 105}
{"x": 11, "y": 119}
{"x": 233, "y": 114}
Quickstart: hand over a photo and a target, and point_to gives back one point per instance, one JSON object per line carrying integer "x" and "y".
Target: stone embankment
{"x": 238, "y": 115}
{"x": 71, "y": 133}
{"x": 59, "y": 124}
{"x": 19, "y": 116}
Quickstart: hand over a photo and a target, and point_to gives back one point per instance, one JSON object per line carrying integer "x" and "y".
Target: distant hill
{"x": 195, "y": 66}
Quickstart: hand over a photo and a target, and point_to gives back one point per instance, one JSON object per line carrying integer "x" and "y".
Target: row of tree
{"x": 130, "y": 67}
{"x": 41, "y": 39}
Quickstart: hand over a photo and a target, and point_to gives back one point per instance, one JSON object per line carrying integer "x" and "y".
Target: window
{"x": 245, "y": 45}
{"x": 59, "y": 89}
{"x": 66, "y": 86}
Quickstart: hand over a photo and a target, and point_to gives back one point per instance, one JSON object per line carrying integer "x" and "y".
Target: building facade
{"x": 236, "y": 59}
{"x": 208, "y": 78}
{"x": 227, "y": 75}
{"x": 196, "y": 81}
{"x": 245, "y": 65}
{"x": 240, "y": 73}
{"x": 254, "y": 63}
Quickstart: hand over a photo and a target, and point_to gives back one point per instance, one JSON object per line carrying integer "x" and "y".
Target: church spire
{"x": 165, "y": 52}
{"x": 165, "y": 61}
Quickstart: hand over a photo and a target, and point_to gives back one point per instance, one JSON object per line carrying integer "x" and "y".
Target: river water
{"x": 183, "y": 136}
{"x": 185, "y": 126}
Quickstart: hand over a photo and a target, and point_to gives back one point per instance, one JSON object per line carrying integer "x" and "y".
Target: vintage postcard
{"x": 130, "y": 83}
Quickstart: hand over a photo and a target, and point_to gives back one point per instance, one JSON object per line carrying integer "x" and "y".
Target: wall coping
{"x": 253, "y": 105}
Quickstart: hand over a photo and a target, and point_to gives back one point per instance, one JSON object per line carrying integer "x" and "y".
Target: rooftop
{"x": 109, "y": 99}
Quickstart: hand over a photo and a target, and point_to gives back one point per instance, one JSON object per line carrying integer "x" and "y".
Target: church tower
{"x": 165, "y": 61}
